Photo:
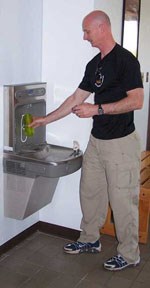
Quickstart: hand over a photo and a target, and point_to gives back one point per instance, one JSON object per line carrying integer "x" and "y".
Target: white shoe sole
{"x": 92, "y": 251}
{"x": 121, "y": 268}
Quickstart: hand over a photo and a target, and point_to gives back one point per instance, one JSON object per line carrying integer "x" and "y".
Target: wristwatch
{"x": 100, "y": 110}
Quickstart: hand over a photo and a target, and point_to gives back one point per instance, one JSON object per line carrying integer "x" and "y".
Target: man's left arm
{"x": 133, "y": 101}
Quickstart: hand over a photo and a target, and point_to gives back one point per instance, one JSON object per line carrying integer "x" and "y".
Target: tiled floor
{"x": 39, "y": 262}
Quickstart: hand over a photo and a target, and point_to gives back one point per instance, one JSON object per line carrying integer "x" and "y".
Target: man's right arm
{"x": 78, "y": 97}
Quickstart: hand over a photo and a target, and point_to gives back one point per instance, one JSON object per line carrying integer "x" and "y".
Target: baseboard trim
{"x": 60, "y": 231}
{"x": 18, "y": 238}
{"x": 44, "y": 227}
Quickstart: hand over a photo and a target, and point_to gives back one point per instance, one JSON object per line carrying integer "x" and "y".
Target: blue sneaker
{"x": 81, "y": 247}
{"x": 117, "y": 263}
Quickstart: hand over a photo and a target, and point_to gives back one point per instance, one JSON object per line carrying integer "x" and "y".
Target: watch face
{"x": 100, "y": 110}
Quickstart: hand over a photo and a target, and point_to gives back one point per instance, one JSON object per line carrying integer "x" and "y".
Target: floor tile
{"x": 117, "y": 282}
{"x": 9, "y": 279}
{"x": 41, "y": 279}
{"x": 65, "y": 281}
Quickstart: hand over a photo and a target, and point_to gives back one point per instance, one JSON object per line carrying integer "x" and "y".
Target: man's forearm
{"x": 67, "y": 106}
{"x": 62, "y": 111}
{"x": 133, "y": 101}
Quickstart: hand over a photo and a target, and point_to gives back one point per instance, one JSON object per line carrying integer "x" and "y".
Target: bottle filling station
{"x": 32, "y": 167}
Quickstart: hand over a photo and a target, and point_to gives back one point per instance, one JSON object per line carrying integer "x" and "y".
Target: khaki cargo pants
{"x": 111, "y": 173}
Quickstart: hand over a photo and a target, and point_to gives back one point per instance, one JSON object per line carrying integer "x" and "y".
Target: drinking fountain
{"x": 32, "y": 167}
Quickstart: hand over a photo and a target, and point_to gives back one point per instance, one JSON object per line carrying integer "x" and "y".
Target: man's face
{"x": 92, "y": 32}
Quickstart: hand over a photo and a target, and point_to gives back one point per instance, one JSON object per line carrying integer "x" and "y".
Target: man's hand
{"x": 37, "y": 121}
{"x": 85, "y": 110}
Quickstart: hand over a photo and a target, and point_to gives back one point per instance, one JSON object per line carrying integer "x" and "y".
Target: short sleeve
{"x": 86, "y": 82}
{"x": 131, "y": 76}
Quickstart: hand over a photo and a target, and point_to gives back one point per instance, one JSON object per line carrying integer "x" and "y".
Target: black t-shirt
{"x": 109, "y": 79}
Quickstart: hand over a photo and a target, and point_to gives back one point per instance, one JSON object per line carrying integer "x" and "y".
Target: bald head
{"x": 98, "y": 16}
{"x": 97, "y": 30}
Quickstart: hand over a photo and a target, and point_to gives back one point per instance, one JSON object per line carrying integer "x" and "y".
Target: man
{"x": 111, "y": 164}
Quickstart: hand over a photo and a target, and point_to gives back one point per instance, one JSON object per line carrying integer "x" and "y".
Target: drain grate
{"x": 14, "y": 168}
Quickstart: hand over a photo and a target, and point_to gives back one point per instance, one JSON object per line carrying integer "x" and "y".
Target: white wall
{"x": 144, "y": 39}
{"x": 141, "y": 116}
{"x": 20, "y": 61}
{"x": 65, "y": 55}
{"x": 20, "y": 45}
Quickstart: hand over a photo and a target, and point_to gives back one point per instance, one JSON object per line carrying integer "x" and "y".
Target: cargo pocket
{"x": 128, "y": 175}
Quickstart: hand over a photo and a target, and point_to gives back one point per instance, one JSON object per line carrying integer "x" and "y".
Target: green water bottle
{"x": 27, "y": 119}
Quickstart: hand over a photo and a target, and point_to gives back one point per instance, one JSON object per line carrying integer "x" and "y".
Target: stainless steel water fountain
{"x": 32, "y": 166}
